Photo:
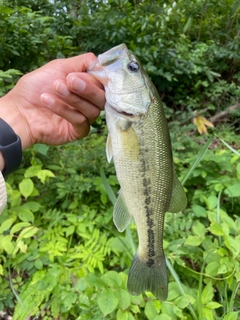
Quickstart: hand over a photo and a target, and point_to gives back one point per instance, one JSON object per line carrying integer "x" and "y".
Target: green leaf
{"x": 199, "y": 211}
{"x": 25, "y": 215}
{"x": 32, "y": 205}
{"x": 112, "y": 279}
{"x": 150, "y": 310}
{"x": 207, "y": 314}
{"x": 193, "y": 241}
{"x": 187, "y": 25}
{"x": 95, "y": 281}
{"x": 199, "y": 229}
{"x": 44, "y": 174}
{"x": 212, "y": 268}
{"x": 122, "y": 315}
{"x": 183, "y": 301}
{"x": 231, "y": 316}
{"x": 107, "y": 301}
{"x": 216, "y": 229}
{"x": 27, "y": 232}
{"x": 6, "y": 225}
{"x": 26, "y": 187}
{"x": 7, "y": 244}
{"x": 233, "y": 190}
{"x": 124, "y": 298}
{"x": 207, "y": 293}
{"x": 41, "y": 148}
{"x": 198, "y": 159}
{"x": 38, "y": 264}
{"x": 19, "y": 226}
{"x": 213, "y": 305}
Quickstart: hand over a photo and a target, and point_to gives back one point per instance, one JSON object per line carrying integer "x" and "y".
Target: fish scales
{"x": 140, "y": 145}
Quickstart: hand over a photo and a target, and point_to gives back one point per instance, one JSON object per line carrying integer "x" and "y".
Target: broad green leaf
{"x": 44, "y": 174}
{"x": 122, "y": 315}
{"x": 150, "y": 310}
{"x": 207, "y": 293}
{"x": 95, "y": 281}
{"x": 32, "y": 171}
{"x": 6, "y": 225}
{"x": 233, "y": 190}
{"x": 112, "y": 279}
{"x": 213, "y": 305}
{"x": 19, "y": 226}
{"x": 7, "y": 244}
{"x": 216, "y": 229}
{"x": 163, "y": 317}
{"x": 26, "y": 187}
{"x": 1, "y": 270}
{"x": 41, "y": 148}
{"x": 32, "y": 205}
{"x": 25, "y": 215}
{"x": 38, "y": 264}
{"x": 193, "y": 241}
{"x": 199, "y": 211}
{"x": 20, "y": 245}
{"x": 107, "y": 301}
{"x": 231, "y": 316}
{"x": 183, "y": 301}
{"x": 28, "y": 232}
{"x": 207, "y": 314}
{"x": 199, "y": 229}
{"x": 212, "y": 268}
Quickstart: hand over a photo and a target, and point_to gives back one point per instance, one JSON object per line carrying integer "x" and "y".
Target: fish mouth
{"x": 124, "y": 113}
{"x": 119, "y": 112}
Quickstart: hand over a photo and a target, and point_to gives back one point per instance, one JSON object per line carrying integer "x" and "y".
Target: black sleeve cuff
{"x": 11, "y": 148}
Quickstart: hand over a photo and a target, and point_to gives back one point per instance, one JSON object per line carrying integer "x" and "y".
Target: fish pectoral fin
{"x": 109, "y": 148}
{"x": 121, "y": 215}
{"x": 178, "y": 200}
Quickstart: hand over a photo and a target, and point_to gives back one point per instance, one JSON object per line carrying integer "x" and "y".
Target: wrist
{"x": 2, "y": 162}
{"x": 10, "y": 114}
{"x": 10, "y": 148}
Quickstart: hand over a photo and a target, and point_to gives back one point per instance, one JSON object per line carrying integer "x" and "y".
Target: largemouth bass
{"x": 139, "y": 143}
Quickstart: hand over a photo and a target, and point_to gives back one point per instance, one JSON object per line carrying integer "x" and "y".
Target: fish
{"x": 139, "y": 143}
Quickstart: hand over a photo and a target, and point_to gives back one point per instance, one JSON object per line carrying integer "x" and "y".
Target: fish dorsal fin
{"x": 121, "y": 215}
{"x": 179, "y": 200}
{"x": 109, "y": 148}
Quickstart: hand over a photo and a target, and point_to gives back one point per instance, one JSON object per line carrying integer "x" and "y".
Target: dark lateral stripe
{"x": 146, "y": 192}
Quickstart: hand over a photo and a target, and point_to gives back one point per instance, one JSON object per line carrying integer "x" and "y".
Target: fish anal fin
{"x": 121, "y": 215}
{"x": 109, "y": 148}
{"x": 178, "y": 200}
{"x": 148, "y": 277}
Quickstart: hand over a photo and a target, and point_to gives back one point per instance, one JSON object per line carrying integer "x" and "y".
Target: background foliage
{"x": 60, "y": 255}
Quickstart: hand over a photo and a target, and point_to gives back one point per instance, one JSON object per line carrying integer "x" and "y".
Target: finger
{"x": 78, "y": 121}
{"x": 87, "y": 87}
{"x": 87, "y": 108}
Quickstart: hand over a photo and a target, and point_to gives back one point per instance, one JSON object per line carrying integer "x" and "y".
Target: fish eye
{"x": 133, "y": 66}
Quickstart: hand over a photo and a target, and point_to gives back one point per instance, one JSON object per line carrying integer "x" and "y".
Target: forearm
{"x": 2, "y": 162}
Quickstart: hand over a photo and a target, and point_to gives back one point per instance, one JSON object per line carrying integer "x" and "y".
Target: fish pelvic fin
{"x": 178, "y": 200}
{"x": 121, "y": 215}
{"x": 109, "y": 148}
{"x": 149, "y": 275}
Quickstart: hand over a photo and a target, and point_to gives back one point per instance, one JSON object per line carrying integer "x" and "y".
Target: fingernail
{"x": 47, "y": 99}
{"x": 78, "y": 84}
{"x": 62, "y": 89}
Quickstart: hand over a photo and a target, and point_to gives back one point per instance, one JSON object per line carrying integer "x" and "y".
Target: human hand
{"x": 54, "y": 104}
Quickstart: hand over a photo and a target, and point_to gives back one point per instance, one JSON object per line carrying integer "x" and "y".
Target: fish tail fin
{"x": 150, "y": 276}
